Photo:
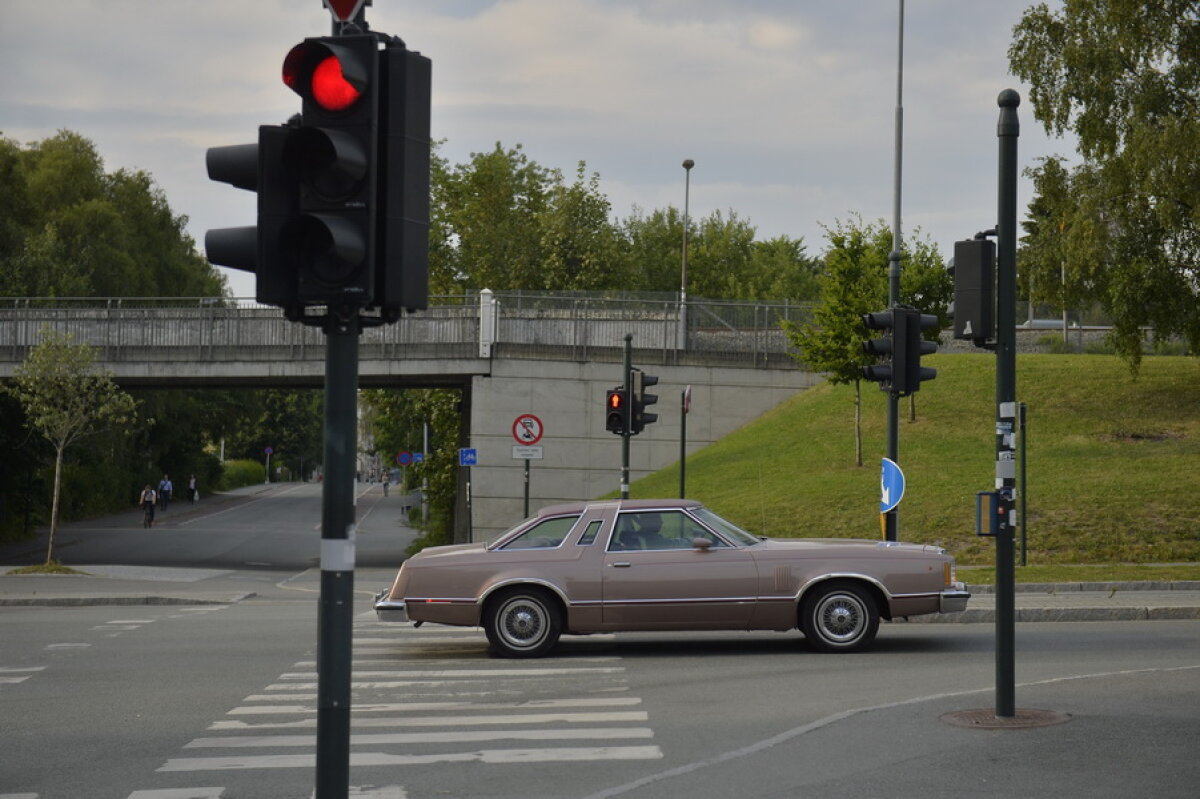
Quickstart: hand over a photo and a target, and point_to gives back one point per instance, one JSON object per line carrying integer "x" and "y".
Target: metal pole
{"x": 687, "y": 190}
{"x": 527, "y": 488}
{"x": 891, "y": 519}
{"x": 335, "y": 615}
{"x": 425, "y": 477}
{"x": 627, "y": 382}
{"x": 1007, "y": 131}
{"x": 1022, "y": 491}
{"x": 683, "y": 412}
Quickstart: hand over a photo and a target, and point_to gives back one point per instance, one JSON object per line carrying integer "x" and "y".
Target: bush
{"x": 236, "y": 474}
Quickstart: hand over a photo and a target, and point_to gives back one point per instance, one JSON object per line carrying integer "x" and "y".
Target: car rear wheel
{"x": 522, "y": 623}
{"x": 839, "y": 617}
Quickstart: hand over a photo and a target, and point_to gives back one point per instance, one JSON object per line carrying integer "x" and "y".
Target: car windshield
{"x": 728, "y": 529}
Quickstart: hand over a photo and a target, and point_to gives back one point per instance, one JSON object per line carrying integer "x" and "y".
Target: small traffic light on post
{"x": 903, "y": 347}
{"x": 640, "y": 399}
{"x": 915, "y": 346}
{"x": 616, "y": 410}
{"x": 885, "y": 348}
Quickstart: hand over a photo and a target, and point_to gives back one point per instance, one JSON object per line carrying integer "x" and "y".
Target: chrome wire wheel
{"x": 522, "y": 623}
{"x": 839, "y": 618}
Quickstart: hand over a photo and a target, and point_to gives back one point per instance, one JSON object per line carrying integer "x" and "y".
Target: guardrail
{"x": 578, "y": 327}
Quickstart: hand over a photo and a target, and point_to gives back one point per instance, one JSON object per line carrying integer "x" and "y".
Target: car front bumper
{"x": 954, "y": 599}
{"x": 390, "y": 609}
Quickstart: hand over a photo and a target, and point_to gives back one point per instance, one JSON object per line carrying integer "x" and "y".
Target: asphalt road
{"x": 217, "y": 701}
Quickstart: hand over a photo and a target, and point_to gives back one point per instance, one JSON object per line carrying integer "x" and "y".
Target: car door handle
{"x": 620, "y": 564}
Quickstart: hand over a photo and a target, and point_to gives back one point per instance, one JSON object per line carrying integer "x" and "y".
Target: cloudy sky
{"x": 786, "y": 106}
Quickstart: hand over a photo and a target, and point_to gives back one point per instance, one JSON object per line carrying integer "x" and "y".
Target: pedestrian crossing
{"x": 428, "y": 697}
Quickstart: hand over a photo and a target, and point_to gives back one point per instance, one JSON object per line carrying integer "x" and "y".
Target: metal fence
{"x": 564, "y": 326}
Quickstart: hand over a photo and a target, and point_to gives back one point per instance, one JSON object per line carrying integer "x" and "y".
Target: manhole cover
{"x": 985, "y": 719}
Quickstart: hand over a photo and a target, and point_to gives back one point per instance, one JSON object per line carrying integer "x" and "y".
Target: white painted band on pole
{"x": 337, "y": 554}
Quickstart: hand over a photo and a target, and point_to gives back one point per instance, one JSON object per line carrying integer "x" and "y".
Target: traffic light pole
{"x": 891, "y": 519}
{"x": 335, "y": 619}
{"x": 1007, "y": 131}
{"x": 627, "y": 381}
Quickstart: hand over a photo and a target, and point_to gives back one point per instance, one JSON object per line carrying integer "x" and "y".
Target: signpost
{"x": 527, "y": 429}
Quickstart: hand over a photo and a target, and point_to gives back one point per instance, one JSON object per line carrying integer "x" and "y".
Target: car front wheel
{"x": 522, "y": 623}
{"x": 839, "y": 617}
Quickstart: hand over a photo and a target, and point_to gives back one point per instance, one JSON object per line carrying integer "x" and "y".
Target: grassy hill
{"x": 1113, "y": 462}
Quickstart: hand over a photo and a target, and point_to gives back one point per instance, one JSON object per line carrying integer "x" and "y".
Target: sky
{"x": 787, "y": 107}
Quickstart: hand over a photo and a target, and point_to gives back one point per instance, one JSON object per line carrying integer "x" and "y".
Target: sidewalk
{"x": 143, "y": 585}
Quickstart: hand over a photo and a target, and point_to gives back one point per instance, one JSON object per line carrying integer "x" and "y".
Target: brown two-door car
{"x": 666, "y": 565}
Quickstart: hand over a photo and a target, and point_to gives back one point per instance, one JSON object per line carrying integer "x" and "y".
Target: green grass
{"x": 1087, "y": 573}
{"x": 1113, "y": 463}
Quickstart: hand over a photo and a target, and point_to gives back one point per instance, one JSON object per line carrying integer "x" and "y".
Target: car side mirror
{"x": 702, "y": 544}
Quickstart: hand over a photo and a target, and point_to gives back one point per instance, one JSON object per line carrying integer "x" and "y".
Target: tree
{"x": 1123, "y": 227}
{"x": 66, "y": 400}
{"x": 854, "y": 283}
{"x": 69, "y": 229}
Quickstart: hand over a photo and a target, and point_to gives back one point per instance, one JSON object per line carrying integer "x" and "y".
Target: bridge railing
{"x": 581, "y": 326}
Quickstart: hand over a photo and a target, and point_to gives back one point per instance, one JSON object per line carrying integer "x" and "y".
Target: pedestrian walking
{"x": 193, "y": 492}
{"x": 164, "y": 492}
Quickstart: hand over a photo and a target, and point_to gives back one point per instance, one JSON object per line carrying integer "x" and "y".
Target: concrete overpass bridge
{"x": 551, "y": 355}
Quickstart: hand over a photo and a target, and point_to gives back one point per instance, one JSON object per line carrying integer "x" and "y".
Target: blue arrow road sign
{"x": 891, "y": 485}
{"x": 467, "y": 457}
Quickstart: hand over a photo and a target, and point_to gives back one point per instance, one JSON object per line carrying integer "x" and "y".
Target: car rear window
{"x": 546, "y": 534}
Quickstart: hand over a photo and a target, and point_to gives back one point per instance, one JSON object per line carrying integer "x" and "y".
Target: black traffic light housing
{"x": 331, "y": 239}
{"x": 343, "y": 188}
{"x": 640, "y": 381}
{"x": 402, "y": 254}
{"x": 257, "y": 167}
{"x": 975, "y": 291}
{"x": 616, "y": 410}
{"x": 880, "y": 348}
{"x": 903, "y": 345}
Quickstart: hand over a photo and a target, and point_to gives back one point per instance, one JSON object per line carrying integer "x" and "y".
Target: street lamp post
{"x": 687, "y": 188}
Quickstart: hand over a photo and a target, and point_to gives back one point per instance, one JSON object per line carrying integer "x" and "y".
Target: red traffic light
{"x": 330, "y": 88}
{"x": 331, "y": 75}
{"x": 615, "y": 400}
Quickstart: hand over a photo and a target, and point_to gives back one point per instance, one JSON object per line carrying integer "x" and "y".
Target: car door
{"x": 655, "y": 578}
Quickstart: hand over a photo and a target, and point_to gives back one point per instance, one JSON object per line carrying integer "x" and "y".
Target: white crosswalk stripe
{"x": 427, "y": 697}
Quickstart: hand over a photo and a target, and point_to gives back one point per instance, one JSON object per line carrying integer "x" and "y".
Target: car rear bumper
{"x": 954, "y": 599}
{"x": 390, "y": 609}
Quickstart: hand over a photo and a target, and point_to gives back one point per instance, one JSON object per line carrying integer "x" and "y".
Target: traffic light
{"x": 616, "y": 410}
{"x": 640, "y": 399}
{"x": 402, "y": 259}
{"x": 257, "y": 167}
{"x": 882, "y": 373}
{"x": 915, "y": 345}
{"x": 333, "y": 153}
{"x": 903, "y": 346}
{"x": 975, "y": 291}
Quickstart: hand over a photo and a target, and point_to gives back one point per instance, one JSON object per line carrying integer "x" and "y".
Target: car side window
{"x": 543, "y": 535}
{"x": 656, "y": 530}
{"x": 589, "y": 535}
